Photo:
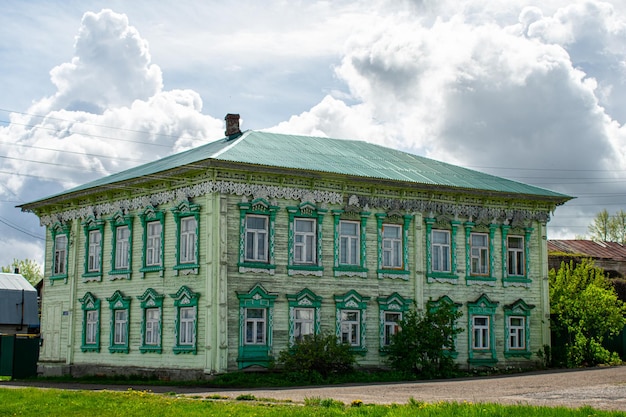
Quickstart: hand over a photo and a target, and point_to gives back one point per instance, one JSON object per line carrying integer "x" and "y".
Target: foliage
{"x": 51, "y": 402}
{"x": 321, "y": 354}
{"x": 584, "y": 308}
{"x": 426, "y": 342}
{"x": 609, "y": 228}
{"x": 28, "y": 268}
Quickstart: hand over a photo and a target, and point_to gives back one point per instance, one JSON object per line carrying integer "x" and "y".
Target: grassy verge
{"x": 41, "y": 403}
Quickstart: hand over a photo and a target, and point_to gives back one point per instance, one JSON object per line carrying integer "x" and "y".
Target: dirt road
{"x": 601, "y": 388}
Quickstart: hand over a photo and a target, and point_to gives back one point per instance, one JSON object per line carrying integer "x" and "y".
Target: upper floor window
{"x": 122, "y": 242}
{"x": 256, "y": 242}
{"x": 153, "y": 248}
{"x": 392, "y": 246}
{"x": 515, "y": 251}
{"x": 479, "y": 254}
{"x": 305, "y": 239}
{"x": 441, "y": 251}
{"x": 349, "y": 242}
{"x": 257, "y": 233}
{"x": 94, "y": 246}
{"x": 187, "y": 218}
{"x": 305, "y": 242}
{"x": 60, "y": 235}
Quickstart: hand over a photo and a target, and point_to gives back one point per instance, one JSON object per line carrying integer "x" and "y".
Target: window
{"x": 255, "y": 326}
{"x": 351, "y": 327}
{"x": 91, "y": 323}
{"x": 121, "y": 246}
{"x": 93, "y": 252}
{"x": 517, "y": 331}
{"x": 349, "y": 242}
{"x": 120, "y": 310}
{"x": 186, "y": 303}
{"x": 60, "y": 255}
{"x": 392, "y": 246}
{"x": 479, "y": 254}
{"x": 304, "y": 313}
{"x": 482, "y": 349}
{"x": 187, "y": 329}
{"x": 187, "y": 218}
{"x": 121, "y": 326}
{"x": 122, "y": 240}
{"x": 256, "y": 238}
{"x": 515, "y": 255}
{"x": 188, "y": 239}
{"x": 304, "y": 241}
{"x": 441, "y": 251}
{"x": 256, "y": 309}
{"x": 350, "y": 313}
{"x": 480, "y": 329}
{"x": 153, "y": 243}
{"x": 391, "y": 326}
{"x": 151, "y": 328}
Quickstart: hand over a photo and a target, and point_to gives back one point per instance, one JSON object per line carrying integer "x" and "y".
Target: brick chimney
{"x": 232, "y": 126}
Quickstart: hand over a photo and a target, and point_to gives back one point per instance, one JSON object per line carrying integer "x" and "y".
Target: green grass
{"x": 51, "y": 402}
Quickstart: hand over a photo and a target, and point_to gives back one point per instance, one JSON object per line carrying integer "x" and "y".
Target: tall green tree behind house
{"x": 28, "y": 268}
{"x": 609, "y": 227}
{"x": 584, "y": 309}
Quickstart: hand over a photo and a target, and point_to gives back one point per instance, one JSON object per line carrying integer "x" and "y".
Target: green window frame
{"x": 183, "y": 213}
{"x": 305, "y": 213}
{"x": 90, "y": 340}
{"x": 436, "y": 305}
{"x": 441, "y": 225}
{"x": 341, "y": 241}
{"x": 511, "y": 262}
{"x": 152, "y": 247}
{"x": 186, "y": 323}
{"x": 94, "y": 242}
{"x": 304, "y": 315}
{"x": 350, "y": 314}
{"x": 481, "y": 334}
{"x": 120, "y": 323}
{"x": 391, "y": 313}
{"x": 60, "y": 236}
{"x": 385, "y": 245}
{"x": 121, "y": 246}
{"x": 256, "y": 315}
{"x": 473, "y": 254}
{"x": 248, "y": 238}
{"x": 151, "y": 321}
{"x": 517, "y": 329}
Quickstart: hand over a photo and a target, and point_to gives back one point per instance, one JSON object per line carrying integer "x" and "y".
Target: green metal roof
{"x": 337, "y": 156}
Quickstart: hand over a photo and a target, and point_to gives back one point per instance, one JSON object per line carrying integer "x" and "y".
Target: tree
{"x": 425, "y": 344}
{"x": 584, "y": 309}
{"x": 28, "y": 268}
{"x": 600, "y": 228}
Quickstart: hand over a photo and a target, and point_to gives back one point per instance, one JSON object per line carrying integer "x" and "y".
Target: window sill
{"x": 480, "y": 280}
{"x": 393, "y": 273}
{"x": 58, "y": 277}
{"x": 119, "y": 274}
{"x": 359, "y": 350}
{"x": 92, "y": 276}
{"x": 256, "y": 267}
{"x": 350, "y": 271}
{"x": 147, "y": 269}
{"x": 187, "y": 269}
{"x": 517, "y": 282}
{"x": 150, "y": 349}
{"x": 444, "y": 277}
{"x": 482, "y": 361}
{"x": 118, "y": 349}
{"x": 517, "y": 354}
{"x": 184, "y": 349}
{"x": 305, "y": 270}
{"x": 90, "y": 348}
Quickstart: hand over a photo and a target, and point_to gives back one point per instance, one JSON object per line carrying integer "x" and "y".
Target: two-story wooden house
{"x": 217, "y": 258}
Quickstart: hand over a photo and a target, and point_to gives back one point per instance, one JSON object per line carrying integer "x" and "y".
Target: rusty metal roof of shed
{"x": 320, "y": 154}
{"x": 589, "y": 248}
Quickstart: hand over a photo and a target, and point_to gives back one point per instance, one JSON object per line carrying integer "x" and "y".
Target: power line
{"x": 15, "y": 227}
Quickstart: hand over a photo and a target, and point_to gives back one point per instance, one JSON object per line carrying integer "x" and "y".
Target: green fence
{"x": 18, "y": 356}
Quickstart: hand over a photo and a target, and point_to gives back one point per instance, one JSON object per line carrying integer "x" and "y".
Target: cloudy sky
{"x": 534, "y": 91}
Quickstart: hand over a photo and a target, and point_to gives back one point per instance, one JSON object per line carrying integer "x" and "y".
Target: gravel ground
{"x": 601, "y": 388}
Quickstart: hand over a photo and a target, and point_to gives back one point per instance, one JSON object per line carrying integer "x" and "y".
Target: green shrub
{"x": 320, "y": 354}
{"x": 425, "y": 345}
